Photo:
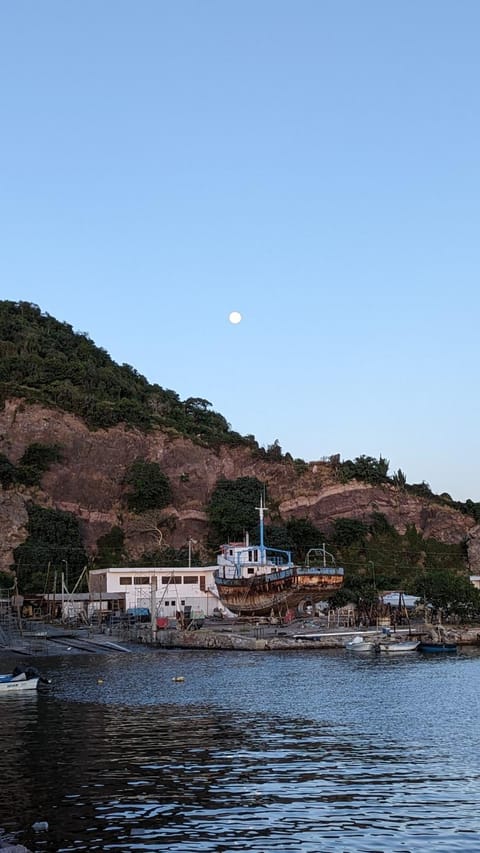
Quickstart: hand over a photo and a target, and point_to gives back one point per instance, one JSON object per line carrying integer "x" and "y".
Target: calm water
{"x": 304, "y": 752}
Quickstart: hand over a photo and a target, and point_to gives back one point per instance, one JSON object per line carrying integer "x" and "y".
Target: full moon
{"x": 235, "y": 317}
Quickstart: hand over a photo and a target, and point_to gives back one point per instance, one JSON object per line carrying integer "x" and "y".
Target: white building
{"x": 166, "y": 591}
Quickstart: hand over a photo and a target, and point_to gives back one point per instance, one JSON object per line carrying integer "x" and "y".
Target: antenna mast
{"x": 261, "y": 509}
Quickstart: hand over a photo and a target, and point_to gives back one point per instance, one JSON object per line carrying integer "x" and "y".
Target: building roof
{"x": 156, "y": 570}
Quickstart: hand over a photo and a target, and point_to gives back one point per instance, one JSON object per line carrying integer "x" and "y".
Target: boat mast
{"x": 261, "y": 510}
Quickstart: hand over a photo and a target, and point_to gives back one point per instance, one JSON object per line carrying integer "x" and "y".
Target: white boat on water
{"x": 360, "y": 644}
{"x": 19, "y": 681}
{"x": 398, "y": 646}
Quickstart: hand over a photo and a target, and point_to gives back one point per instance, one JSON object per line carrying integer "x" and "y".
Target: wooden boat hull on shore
{"x": 278, "y": 591}
{"x": 257, "y": 580}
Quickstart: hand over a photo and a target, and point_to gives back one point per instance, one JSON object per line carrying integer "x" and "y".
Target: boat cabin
{"x": 239, "y": 559}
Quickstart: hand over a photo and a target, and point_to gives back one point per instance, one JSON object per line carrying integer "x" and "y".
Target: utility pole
{"x": 153, "y": 607}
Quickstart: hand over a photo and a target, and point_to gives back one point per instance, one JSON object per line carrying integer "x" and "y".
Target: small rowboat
{"x": 360, "y": 644}
{"x": 438, "y": 648}
{"x": 19, "y": 681}
{"x": 398, "y": 646}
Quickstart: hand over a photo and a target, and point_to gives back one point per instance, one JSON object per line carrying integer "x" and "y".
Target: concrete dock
{"x": 238, "y": 635}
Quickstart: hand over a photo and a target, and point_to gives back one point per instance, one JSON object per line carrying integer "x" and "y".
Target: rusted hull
{"x": 260, "y": 596}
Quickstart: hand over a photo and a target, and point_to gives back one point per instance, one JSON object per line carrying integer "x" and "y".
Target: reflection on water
{"x": 307, "y": 752}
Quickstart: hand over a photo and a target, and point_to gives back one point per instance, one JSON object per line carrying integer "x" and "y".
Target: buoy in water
{"x": 178, "y": 678}
{"x": 99, "y": 680}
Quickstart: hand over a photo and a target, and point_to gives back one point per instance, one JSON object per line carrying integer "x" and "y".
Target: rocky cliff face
{"x": 88, "y": 483}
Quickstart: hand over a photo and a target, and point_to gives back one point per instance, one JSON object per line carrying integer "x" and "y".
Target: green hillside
{"x": 46, "y": 361}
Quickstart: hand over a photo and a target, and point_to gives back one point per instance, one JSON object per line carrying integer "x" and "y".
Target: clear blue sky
{"x": 314, "y": 164}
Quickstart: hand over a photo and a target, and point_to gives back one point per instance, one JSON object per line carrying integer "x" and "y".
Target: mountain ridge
{"x": 89, "y": 482}
{"x": 46, "y": 405}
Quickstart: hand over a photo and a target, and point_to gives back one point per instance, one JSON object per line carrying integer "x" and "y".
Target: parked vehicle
{"x": 137, "y": 614}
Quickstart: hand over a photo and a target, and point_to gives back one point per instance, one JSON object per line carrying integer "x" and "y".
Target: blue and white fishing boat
{"x": 19, "y": 681}
{"x": 256, "y": 580}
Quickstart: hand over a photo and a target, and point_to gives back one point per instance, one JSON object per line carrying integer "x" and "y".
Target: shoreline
{"x": 232, "y": 636}
{"x": 267, "y": 638}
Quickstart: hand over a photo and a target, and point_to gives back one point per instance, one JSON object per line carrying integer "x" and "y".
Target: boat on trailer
{"x": 256, "y": 580}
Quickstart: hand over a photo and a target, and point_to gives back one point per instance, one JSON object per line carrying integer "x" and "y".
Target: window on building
{"x": 168, "y": 579}
{"x": 141, "y": 581}
{"x": 125, "y": 581}
{"x": 202, "y": 583}
{"x": 190, "y": 579}
{"x": 250, "y": 570}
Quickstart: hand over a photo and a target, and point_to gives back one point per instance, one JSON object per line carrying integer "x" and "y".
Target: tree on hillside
{"x": 8, "y": 472}
{"x": 36, "y": 460}
{"x": 54, "y": 545}
{"x": 349, "y": 531}
{"x": 449, "y": 592}
{"x": 365, "y": 468}
{"x": 110, "y": 549}
{"x": 303, "y": 535}
{"x": 42, "y": 359}
{"x": 399, "y": 479}
{"x": 149, "y": 487}
{"x": 153, "y": 523}
{"x": 232, "y": 509}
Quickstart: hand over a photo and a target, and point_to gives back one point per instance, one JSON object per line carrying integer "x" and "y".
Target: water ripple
{"x": 362, "y": 759}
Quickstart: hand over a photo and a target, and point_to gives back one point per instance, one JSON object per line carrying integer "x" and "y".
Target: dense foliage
{"x": 6, "y": 582}
{"x": 365, "y": 468}
{"x": 449, "y": 593}
{"x": 35, "y": 461}
{"x": 110, "y": 549}
{"x": 54, "y": 546}
{"x": 149, "y": 486}
{"x": 379, "y": 559}
{"x": 8, "y": 472}
{"x": 373, "y": 471}
{"x": 46, "y": 361}
{"x": 232, "y": 509}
